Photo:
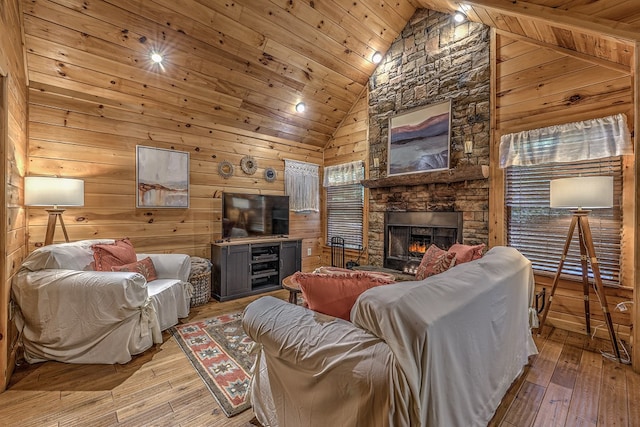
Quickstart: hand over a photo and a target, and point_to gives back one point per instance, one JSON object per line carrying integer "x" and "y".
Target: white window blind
{"x": 345, "y": 202}
{"x": 345, "y": 205}
{"x": 540, "y": 232}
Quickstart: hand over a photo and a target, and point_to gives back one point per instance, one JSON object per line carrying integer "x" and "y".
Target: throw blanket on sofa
{"x": 437, "y": 352}
{"x": 459, "y": 339}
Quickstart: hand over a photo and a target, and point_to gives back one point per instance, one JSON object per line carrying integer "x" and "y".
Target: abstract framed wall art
{"x": 162, "y": 179}
{"x": 419, "y": 140}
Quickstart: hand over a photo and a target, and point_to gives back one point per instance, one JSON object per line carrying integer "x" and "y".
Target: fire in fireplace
{"x": 409, "y": 234}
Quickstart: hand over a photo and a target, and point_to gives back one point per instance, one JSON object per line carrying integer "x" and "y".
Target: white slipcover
{"x": 70, "y": 313}
{"x": 437, "y": 352}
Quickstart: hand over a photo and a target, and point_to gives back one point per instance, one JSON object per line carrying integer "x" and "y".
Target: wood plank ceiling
{"x": 246, "y": 63}
{"x": 243, "y": 63}
{"x": 601, "y": 29}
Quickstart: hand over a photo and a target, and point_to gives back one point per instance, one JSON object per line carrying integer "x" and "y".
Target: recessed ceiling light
{"x": 459, "y": 17}
{"x": 156, "y": 57}
{"x": 300, "y": 107}
{"x": 376, "y": 58}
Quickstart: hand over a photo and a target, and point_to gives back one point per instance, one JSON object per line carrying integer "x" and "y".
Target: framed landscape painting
{"x": 419, "y": 140}
{"x": 162, "y": 178}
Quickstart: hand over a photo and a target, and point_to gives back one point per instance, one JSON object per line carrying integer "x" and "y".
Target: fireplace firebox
{"x": 409, "y": 234}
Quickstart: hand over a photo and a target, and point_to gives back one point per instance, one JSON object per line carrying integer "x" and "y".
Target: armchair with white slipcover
{"x": 70, "y": 313}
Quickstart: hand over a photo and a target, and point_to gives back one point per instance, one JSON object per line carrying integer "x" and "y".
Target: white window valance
{"x": 344, "y": 174}
{"x": 301, "y": 183}
{"x": 586, "y": 140}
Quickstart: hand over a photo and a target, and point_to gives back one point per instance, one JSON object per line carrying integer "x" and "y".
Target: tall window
{"x": 345, "y": 203}
{"x": 532, "y": 159}
{"x": 539, "y": 232}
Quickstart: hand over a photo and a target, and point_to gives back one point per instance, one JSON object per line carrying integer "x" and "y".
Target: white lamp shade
{"x": 51, "y": 191}
{"x": 588, "y": 192}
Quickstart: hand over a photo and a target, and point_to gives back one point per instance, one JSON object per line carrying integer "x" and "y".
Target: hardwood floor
{"x": 568, "y": 384}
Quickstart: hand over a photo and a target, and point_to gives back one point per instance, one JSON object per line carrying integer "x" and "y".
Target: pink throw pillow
{"x": 435, "y": 261}
{"x": 107, "y": 256}
{"x": 144, "y": 266}
{"x": 466, "y": 253}
{"x": 335, "y": 294}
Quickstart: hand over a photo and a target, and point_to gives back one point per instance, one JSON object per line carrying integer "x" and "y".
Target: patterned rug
{"x": 218, "y": 349}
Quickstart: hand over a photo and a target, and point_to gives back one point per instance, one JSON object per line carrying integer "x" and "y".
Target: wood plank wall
{"x": 349, "y": 144}
{"x": 537, "y": 86}
{"x": 13, "y": 144}
{"x": 95, "y": 140}
{"x": 635, "y": 312}
{"x": 87, "y": 114}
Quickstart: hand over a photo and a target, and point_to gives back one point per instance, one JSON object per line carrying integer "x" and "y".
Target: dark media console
{"x": 248, "y": 267}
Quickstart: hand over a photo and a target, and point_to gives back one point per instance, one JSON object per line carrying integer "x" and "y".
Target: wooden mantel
{"x": 460, "y": 173}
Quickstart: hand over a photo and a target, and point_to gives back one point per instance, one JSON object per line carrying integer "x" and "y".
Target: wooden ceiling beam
{"x": 583, "y": 56}
{"x": 562, "y": 19}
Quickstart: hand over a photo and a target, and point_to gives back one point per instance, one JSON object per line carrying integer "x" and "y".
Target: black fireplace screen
{"x": 409, "y": 234}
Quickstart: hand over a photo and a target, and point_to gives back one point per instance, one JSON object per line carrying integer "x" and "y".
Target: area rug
{"x": 218, "y": 349}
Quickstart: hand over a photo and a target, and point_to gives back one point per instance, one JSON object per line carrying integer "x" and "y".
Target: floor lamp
{"x": 55, "y": 192}
{"x": 589, "y": 192}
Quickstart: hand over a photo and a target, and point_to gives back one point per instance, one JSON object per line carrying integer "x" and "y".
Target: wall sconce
{"x": 468, "y": 147}
{"x": 55, "y": 192}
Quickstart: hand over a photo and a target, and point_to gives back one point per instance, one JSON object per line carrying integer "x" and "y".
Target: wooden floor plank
{"x": 613, "y": 405}
{"x": 567, "y": 366}
{"x": 192, "y": 403}
{"x": 558, "y": 335}
{"x": 554, "y": 407}
{"x": 633, "y": 393}
{"x": 576, "y": 339}
{"x": 95, "y": 419}
{"x": 578, "y": 422}
{"x": 25, "y": 410}
{"x": 150, "y": 411}
{"x": 544, "y": 365}
{"x": 586, "y": 392}
{"x": 569, "y": 383}
{"x": 524, "y": 409}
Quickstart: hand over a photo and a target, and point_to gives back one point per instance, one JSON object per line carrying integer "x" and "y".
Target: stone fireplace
{"x": 465, "y": 203}
{"x": 433, "y": 60}
{"x": 409, "y": 234}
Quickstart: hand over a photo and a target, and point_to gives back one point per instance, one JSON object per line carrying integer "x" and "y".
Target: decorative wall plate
{"x": 270, "y": 174}
{"x": 248, "y": 165}
{"x": 225, "y": 169}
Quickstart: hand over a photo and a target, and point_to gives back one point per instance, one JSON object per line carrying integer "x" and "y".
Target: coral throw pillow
{"x": 144, "y": 266}
{"x": 335, "y": 294}
{"x": 107, "y": 256}
{"x": 466, "y": 253}
{"x": 435, "y": 261}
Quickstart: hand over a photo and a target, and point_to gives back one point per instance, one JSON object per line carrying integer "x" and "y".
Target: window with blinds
{"x": 540, "y": 232}
{"x": 345, "y": 206}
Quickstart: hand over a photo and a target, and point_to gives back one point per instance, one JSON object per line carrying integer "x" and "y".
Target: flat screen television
{"x": 254, "y": 215}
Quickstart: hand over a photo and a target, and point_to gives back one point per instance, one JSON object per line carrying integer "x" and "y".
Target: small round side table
{"x": 293, "y": 287}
